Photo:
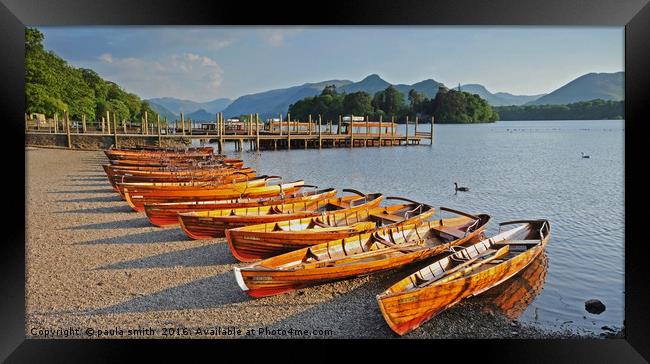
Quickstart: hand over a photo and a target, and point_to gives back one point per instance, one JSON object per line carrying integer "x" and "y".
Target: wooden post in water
{"x": 108, "y": 121}
{"x": 415, "y": 131}
{"x": 431, "y": 130}
{"x": 257, "y": 131}
{"x": 67, "y": 129}
{"x": 309, "y": 124}
{"x": 407, "y": 130}
{"x": 338, "y": 129}
{"x": 365, "y": 140}
{"x": 83, "y": 120}
{"x": 351, "y": 131}
{"x": 280, "y": 124}
{"x": 220, "y": 133}
{"x": 392, "y": 130}
{"x": 183, "y": 123}
{"x": 381, "y": 118}
{"x": 320, "y": 132}
{"x": 289, "y": 131}
{"x": 159, "y": 138}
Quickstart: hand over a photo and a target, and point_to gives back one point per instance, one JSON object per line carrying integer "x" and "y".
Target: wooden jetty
{"x": 275, "y": 134}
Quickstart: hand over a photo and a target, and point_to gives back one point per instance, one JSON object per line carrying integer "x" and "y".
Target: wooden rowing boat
{"x": 224, "y": 176}
{"x": 214, "y": 223}
{"x": 111, "y": 171}
{"x": 236, "y": 163}
{"x": 165, "y": 214}
{"x": 136, "y": 199}
{"x": 255, "y": 242}
{"x": 220, "y": 182}
{"x": 120, "y": 153}
{"x": 387, "y": 248}
{"x": 465, "y": 273}
{"x": 169, "y": 168}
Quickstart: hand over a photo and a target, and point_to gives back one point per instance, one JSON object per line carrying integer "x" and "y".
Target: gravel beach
{"x": 96, "y": 269}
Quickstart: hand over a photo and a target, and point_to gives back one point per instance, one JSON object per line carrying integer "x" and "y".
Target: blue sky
{"x": 205, "y": 63}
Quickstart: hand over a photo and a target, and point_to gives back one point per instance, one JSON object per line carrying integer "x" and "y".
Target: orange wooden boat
{"x": 119, "y": 153}
{"x": 189, "y": 162}
{"x": 214, "y": 223}
{"x": 171, "y": 172}
{"x": 465, "y": 273}
{"x": 220, "y": 182}
{"x": 223, "y": 176}
{"x": 165, "y": 214}
{"x": 255, "y": 242}
{"x": 387, "y": 248}
{"x": 136, "y": 199}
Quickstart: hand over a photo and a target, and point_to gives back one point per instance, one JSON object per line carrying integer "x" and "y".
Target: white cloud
{"x": 276, "y": 36}
{"x": 187, "y": 75}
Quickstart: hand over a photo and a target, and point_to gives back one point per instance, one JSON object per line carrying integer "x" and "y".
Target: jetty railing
{"x": 276, "y": 133}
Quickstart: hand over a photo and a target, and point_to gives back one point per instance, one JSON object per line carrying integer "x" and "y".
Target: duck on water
{"x": 463, "y": 189}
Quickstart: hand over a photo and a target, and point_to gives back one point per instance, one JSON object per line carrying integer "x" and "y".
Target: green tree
{"x": 416, "y": 101}
{"x": 357, "y": 103}
{"x": 390, "y": 100}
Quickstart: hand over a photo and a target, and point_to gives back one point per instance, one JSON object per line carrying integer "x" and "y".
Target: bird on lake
{"x": 584, "y": 155}
{"x": 464, "y": 189}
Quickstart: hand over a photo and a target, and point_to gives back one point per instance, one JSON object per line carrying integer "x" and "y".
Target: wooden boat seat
{"x": 518, "y": 242}
{"x": 331, "y": 207}
{"x": 389, "y": 217}
{"x": 450, "y": 231}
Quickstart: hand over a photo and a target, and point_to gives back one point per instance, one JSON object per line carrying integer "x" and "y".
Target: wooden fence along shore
{"x": 275, "y": 134}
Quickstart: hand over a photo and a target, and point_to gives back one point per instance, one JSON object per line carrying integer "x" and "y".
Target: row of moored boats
{"x": 296, "y": 235}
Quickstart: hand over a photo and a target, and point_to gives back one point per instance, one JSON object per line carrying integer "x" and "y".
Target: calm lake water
{"x": 515, "y": 170}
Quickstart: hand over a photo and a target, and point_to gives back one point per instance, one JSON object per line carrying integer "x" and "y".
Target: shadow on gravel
{"x": 103, "y": 190}
{"x": 112, "y": 198}
{"x": 211, "y": 292}
{"x": 202, "y": 256}
{"x": 87, "y": 185}
{"x": 119, "y": 224}
{"x": 93, "y": 178}
{"x": 98, "y": 210}
{"x": 353, "y": 313}
{"x": 149, "y": 237}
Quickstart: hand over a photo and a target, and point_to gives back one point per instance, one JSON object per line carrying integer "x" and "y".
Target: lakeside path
{"x": 94, "y": 263}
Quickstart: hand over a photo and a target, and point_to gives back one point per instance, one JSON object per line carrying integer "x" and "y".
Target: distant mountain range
{"x": 607, "y": 86}
{"x": 277, "y": 101}
{"x": 172, "y": 107}
{"x": 499, "y": 98}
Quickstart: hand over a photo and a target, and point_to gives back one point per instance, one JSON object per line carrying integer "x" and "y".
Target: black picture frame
{"x": 634, "y": 15}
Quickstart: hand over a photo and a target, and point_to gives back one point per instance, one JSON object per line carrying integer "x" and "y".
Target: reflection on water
{"x": 512, "y": 297}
